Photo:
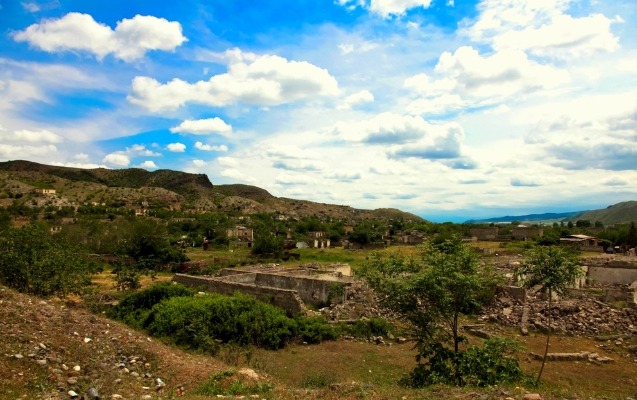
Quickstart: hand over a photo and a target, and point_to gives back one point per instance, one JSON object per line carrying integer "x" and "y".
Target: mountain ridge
{"x": 174, "y": 190}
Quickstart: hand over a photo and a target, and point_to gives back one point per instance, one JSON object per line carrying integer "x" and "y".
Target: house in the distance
{"x": 526, "y": 233}
{"x": 241, "y": 234}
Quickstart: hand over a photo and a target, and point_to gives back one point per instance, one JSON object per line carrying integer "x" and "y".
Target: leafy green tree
{"x": 432, "y": 292}
{"x": 551, "y": 270}
{"x": 265, "y": 243}
{"x": 32, "y": 261}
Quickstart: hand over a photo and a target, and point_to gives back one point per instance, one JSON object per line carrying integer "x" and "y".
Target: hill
{"x": 162, "y": 189}
{"x": 620, "y": 213}
{"x": 545, "y": 217}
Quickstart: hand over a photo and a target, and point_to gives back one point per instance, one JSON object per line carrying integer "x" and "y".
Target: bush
{"x": 34, "y": 262}
{"x": 476, "y": 366}
{"x": 135, "y": 308}
{"x": 199, "y": 322}
{"x": 315, "y": 330}
{"x": 370, "y": 327}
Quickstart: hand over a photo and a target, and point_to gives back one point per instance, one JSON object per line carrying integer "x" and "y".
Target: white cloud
{"x": 263, "y": 80}
{"x": 384, "y": 128}
{"x": 199, "y": 163}
{"x": 207, "y": 147}
{"x": 386, "y": 8}
{"x": 129, "y": 41}
{"x": 13, "y": 152}
{"x": 541, "y": 27}
{"x": 14, "y": 92}
{"x": 354, "y": 99}
{"x": 203, "y": 127}
{"x": 79, "y": 165}
{"x": 176, "y": 147}
{"x": 117, "y": 158}
{"x": 31, "y": 6}
{"x": 465, "y": 78}
{"x": 149, "y": 165}
{"x": 28, "y": 136}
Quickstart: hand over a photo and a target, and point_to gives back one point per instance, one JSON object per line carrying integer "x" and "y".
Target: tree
{"x": 265, "y": 243}
{"x": 431, "y": 293}
{"x": 34, "y": 262}
{"x": 552, "y": 270}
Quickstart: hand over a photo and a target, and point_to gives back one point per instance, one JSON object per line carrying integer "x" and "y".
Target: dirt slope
{"x": 43, "y": 342}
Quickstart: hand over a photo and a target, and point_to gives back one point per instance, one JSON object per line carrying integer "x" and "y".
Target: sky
{"x": 448, "y": 109}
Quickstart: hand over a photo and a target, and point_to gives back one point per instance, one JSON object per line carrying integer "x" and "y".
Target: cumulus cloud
{"x": 386, "y": 8}
{"x": 543, "y": 28}
{"x": 613, "y": 156}
{"x": 13, "y": 92}
{"x": 387, "y": 128}
{"x": 118, "y": 158}
{"x": 176, "y": 147}
{"x": 466, "y": 78}
{"x": 207, "y": 147}
{"x": 130, "y": 39}
{"x": 148, "y": 165}
{"x": 122, "y": 158}
{"x": 28, "y": 136}
{"x": 298, "y": 165}
{"x": 361, "y": 97}
{"x": 523, "y": 182}
{"x": 203, "y": 127}
{"x": 263, "y": 80}
{"x": 444, "y": 142}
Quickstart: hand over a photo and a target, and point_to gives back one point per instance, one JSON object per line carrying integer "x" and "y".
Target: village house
{"x": 46, "y": 191}
{"x": 241, "y": 233}
{"x": 526, "y": 233}
{"x": 484, "y": 233}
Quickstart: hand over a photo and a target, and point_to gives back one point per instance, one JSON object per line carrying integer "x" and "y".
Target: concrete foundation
{"x": 290, "y": 290}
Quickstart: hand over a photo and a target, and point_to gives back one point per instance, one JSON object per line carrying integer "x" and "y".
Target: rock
{"x": 116, "y": 396}
{"x": 72, "y": 394}
{"x": 18, "y": 356}
{"x": 72, "y": 381}
{"x": 92, "y": 394}
{"x": 532, "y": 396}
{"x": 40, "y": 362}
{"x": 159, "y": 384}
{"x": 77, "y": 368}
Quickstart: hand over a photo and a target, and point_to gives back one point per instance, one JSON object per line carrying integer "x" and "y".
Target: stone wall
{"x": 312, "y": 291}
{"x": 612, "y": 275}
{"x": 289, "y": 300}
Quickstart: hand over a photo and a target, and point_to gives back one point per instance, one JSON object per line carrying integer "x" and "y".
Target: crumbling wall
{"x": 612, "y": 275}
{"x": 286, "y": 299}
{"x": 312, "y": 291}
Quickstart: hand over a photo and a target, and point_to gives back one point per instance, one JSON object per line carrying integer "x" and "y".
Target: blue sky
{"x": 447, "y": 109}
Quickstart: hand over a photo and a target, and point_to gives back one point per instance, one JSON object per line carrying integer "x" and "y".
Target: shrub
{"x": 32, "y": 261}
{"x": 315, "y": 330}
{"x": 135, "y": 308}
{"x": 481, "y": 366}
{"x": 370, "y": 327}
{"x": 198, "y": 322}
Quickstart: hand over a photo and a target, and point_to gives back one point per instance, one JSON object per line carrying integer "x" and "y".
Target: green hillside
{"x": 620, "y": 213}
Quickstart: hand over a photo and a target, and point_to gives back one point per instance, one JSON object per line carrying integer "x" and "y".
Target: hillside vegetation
{"x": 163, "y": 189}
{"x": 620, "y": 213}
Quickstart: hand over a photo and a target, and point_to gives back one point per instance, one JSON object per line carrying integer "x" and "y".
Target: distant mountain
{"x": 620, "y": 213}
{"x": 527, "y": 218}
{"x": 167, "y": 189}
